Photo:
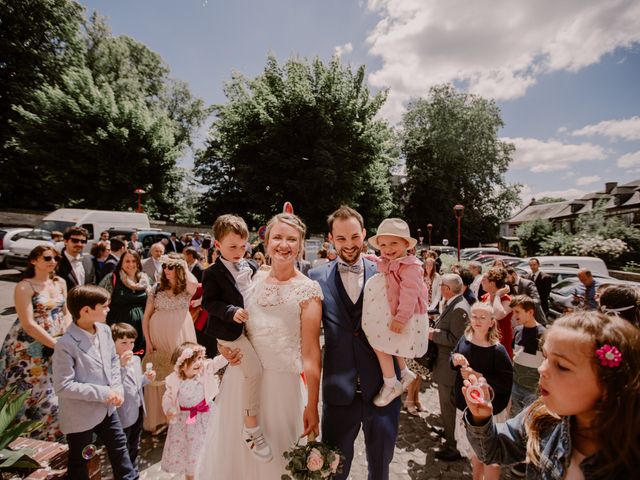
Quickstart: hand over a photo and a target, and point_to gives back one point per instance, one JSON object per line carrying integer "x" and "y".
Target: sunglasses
{"x": 48, "y": 258}
{"x": 77, "y": 240}
{"x": 170, "y": 266}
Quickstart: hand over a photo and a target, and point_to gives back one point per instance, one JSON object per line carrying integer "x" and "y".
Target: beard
{"x": 349, "y": 257}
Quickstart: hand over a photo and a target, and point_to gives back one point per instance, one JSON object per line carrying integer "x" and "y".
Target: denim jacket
{"x": 506, "y": 443}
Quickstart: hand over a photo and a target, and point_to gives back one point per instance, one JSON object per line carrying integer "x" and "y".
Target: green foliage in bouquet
{"x": 313, "y": 461}
{"x": 11, "y": 402}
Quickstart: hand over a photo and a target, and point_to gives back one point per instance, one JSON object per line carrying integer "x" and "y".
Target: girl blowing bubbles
{"x": 394, "y": 315}
{"x": 479, "y": 352}
{"x": 586, "y": 424}
{"x": 186, "y": 403}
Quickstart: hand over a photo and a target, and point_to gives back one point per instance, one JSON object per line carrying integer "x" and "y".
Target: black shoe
{"x": 437, "y": 430}
{"x": 448, "y": 454}
{"x": 519, "y": 470}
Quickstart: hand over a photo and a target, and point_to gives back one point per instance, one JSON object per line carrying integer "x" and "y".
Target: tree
{"x": 532, "y": 234}
{"x": 550, "y": 200}
{"x": 453, "y": 155}
{"x": 39, "y": 40}
{"x": 303, "y": 132}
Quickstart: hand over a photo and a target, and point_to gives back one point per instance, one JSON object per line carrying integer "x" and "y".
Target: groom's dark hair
{"x": 343, "y": 213}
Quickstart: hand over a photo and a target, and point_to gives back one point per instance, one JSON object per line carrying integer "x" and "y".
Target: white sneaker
{"x": 257, "y": 445}
{"x": 386, "y": 394}
{"x": 407, "y": 380}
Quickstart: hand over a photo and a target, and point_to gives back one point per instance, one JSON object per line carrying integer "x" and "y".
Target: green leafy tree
{"x": 453, "y": 155}
{"x": 39, "y": 40}
{"x": 550, "y": 200}
{"x": 303, "y": 132}
{"x": 532, "y": 234}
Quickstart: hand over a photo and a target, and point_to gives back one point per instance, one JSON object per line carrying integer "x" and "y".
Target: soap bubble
{"x": 89, "y": 451}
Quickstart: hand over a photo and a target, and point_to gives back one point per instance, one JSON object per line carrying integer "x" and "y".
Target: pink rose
{"x": 334, "y": 463}
{"x": 315, "y": 460}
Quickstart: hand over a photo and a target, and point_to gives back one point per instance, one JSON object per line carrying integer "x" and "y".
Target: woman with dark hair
{"x": 128, "y": 286}
{"x": 166, "y": 325}
{"x": 621, "y": 300}
{"x": 25, "y": 358}
{"x": 100, "y": 252}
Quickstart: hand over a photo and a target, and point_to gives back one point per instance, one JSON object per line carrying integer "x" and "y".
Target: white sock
{"x": 404, "y": 371}
{"x": 251, "y": 429}
{"x": 389, "y": 381}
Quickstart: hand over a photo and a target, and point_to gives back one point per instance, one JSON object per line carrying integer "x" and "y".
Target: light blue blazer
{"x": 83, "y": 378}
{"x": 133, "y": 380}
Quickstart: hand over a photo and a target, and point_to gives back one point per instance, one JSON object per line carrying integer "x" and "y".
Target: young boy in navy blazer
{"x": 226, "y": 286}
{"x": 86, "y": 379}
{"x": 132, "y": 410}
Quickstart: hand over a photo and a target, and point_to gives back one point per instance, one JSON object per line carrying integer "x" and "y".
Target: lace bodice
{"x": 274, "y": 321}
{"x": 164, "y": 300}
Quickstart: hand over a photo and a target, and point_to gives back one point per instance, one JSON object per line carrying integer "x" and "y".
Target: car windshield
{"x": 37, "y": 234}
{"x": 52, "y": 225}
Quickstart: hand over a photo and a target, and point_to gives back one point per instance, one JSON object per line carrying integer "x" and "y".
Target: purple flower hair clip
{"x": 609, "y": 356}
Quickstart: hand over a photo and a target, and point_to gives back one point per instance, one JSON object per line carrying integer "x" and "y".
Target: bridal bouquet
{"x": 313, "y": 461}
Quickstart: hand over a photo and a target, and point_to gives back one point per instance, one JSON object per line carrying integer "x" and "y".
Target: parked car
{"x": 561, "y": 299}
{"x": 442, "y": 250}
{"x": 559, "y": 274}
{"x": 147, "y": 236}
{"x": 475, "y": 252}
{"x": 7, "y": 237}
{"x": 19, "y": 251}
{"x": 594, "y": 264}
{"x": 487, "y": 260}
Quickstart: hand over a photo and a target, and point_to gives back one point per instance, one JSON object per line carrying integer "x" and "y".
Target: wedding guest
{"x": 175, "y": 244}
{"x": 104, "y": 236}
{"x": 494, "y": 283}
{"x": 226, "y": 289}
{"x": 543, "y": 283}
{"x": 352, "y": 375}
{"x": 193, "y": 262}
{"x": 100, "y": 252}
{"x": 134, "y": 243}
{"x": 467, "y": 281}
{"x": 72, "y": 266}
{"x": 166, "y": 324}
{"x": 187, "y": 403}
{"x": 622, "y": 300}
{"x": 258, "y": 257}
{"x": 131, "y": 412}
{"x": 25, "y": 359}
{"x": 284, "y": 327}
{"x": 86, "y": 375}
{"x": 152, "y": 266}
{"x": 433, "y": 281}
{"x": 585, "y": 293}
{"x": 128, "y": 286}
{"x": 331, "y": 255}
{"x": 322, "y": 258}
{"x": 476, "y": 269}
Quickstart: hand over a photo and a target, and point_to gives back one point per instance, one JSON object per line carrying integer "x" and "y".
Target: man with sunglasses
{"x": 73, "y": 267}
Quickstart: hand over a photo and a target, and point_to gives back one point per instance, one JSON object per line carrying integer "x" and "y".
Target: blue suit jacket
{"x": 83, "y": 378}
{"x": 348, "y": 356}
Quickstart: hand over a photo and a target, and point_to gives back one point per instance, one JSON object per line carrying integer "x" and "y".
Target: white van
{"x": 95, "y": 221}
{"x": 594, "y": 264}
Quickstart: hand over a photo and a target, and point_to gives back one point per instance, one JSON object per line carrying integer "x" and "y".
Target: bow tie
{"x": 344, "y": 268}
{"x": 76, "y": 260}
{"x": 239, "y": 266}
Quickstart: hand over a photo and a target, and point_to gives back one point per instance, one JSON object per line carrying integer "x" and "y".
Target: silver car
{"x": 7, "y": 237}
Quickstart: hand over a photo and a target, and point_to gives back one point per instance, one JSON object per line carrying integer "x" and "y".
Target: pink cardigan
{"x": 406, "y": 290}
{"x": 207, "y": 378}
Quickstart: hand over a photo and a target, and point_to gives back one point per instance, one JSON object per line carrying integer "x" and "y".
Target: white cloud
{"x": 588, "y": 180}
{"x": 629, "y": 160}
{"x": 628, "y": 129}
{"x": 342, "y": 49}
{"x": 496, "y": 49}
{"x": 527, "y": 193}
{"x": 551, "y": 156}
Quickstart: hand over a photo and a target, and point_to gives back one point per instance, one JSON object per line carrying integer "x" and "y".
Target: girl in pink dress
{"x": 394, "y": 311}
{"x": 187, "y": 402}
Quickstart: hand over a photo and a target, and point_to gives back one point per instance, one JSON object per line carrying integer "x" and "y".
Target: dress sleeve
{"x": 308, "y": 291}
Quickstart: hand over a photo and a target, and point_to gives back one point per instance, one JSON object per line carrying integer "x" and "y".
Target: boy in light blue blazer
{"x": 132, "y": 410}
{"x": 86, "y": 378}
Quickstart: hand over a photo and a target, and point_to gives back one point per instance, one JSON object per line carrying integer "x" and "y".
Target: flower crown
{"x": 609, "y": 356}
{"x": 186, "y": 354}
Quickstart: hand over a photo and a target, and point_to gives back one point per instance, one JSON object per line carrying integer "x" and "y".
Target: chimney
{"x": 610, "y": 186}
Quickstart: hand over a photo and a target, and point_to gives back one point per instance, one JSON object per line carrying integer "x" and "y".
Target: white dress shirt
{"x": 242, "y": 278}
{"x": 77, "y": 267}
{"x": 353, "y": 282}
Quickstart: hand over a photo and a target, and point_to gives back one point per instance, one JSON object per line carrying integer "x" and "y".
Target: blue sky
{"x": 566, "y": 75}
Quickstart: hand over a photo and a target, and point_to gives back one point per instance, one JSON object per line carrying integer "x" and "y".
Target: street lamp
{"x": 139, "y": 192}
{"x": 429, "y": 228}
{"x": 420, "y": 237}
{"x": 457, "y": 211}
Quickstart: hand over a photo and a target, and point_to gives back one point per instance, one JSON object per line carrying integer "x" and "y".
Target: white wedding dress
{"x": 274, "y": 330}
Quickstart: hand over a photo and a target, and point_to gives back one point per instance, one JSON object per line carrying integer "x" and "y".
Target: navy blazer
{"x": 348, "y": 357}
{"x": 222, "y": 299}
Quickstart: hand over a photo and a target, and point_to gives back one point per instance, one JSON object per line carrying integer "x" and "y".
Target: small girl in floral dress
{"x": 187, "y": 402}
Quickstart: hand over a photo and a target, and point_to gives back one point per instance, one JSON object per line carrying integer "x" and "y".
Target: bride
{"x": 284, "y": 327}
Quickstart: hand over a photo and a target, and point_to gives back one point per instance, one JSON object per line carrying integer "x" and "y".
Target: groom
{"x": 352, "y": 375}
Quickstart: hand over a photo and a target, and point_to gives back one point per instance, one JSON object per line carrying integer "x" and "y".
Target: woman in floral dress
{"x": 25, "y": 358}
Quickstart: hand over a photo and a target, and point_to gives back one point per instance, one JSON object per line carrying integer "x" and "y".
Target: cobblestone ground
{"x": 413, "y": 458}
